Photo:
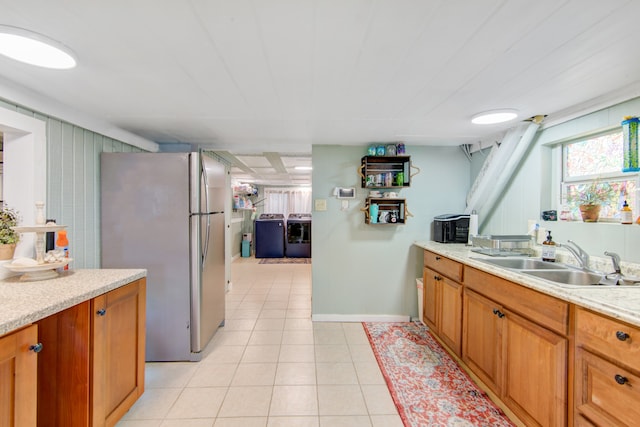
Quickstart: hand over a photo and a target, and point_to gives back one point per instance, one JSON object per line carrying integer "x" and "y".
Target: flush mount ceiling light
{"x": 303, "y": 168}
{"x": 35, "y": 49}
{"x": 494, "y": 116}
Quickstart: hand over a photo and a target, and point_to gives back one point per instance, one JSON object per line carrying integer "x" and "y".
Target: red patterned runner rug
{"x": 427, "y": 386}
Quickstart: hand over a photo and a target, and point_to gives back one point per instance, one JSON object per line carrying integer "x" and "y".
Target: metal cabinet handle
{"x": 498, "y": 313}
{"x": 622, "y": 336}
{"x": 101, "y": 312}
{"x": 36, "y": 348}
{"x": 437, "y": 258}
{"x": 621, "y": 380}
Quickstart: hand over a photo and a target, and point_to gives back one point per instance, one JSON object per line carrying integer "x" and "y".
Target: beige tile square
{"x": 261, "y": 354}
{"x": 378, "y": 399}
{"x": 362, "y": 353}
{"x": 265, "y": 338}
{"x": 369, "y": 373}
{"x": 296, "y": 353}
{"x": 298, "y": 324}
{"x": 168, "y": 375}
{"x": 212, "y": 375}
{"x": 201, "y": 402}
{"x": 238, "y": 325}
{"x": 295, "y": 374}
{"x": 254, "y": 374}
{"x": 386, "y": 421}
{"x": 330, "y": 336}
{"x": 333, "y": 353}
{"x": 200, "y": 422}
{"x": 345, "y": 421}
{"x": 278, "y": 304}
{"x": 297, "y": 337}
{"x": 293, "y": 422}
{"x": 273, "y": 314}
{"x": 241, "y": 422}
{"x": 139, "y": 423}
{"x": 336, "y": 373}
{"x": 298, "y": 314}
{"x": 153, "y": 404}
{"x": 266, "y": 324}
{"x": 291, "y": 400}
{"x": 222, "y": 354}
{"x": 244, "y": 314}
{"x": 341, "y": 400}
{"x": 251, "y": 401}
{"x": 231, "y": 338}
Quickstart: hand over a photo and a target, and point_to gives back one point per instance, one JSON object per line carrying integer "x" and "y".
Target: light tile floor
{"x": 270, "y": 365}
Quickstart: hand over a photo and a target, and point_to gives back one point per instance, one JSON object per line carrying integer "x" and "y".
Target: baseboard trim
{"x": 359, "y": 318}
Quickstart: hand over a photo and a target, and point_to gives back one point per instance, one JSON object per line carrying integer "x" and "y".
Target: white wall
{"x": 365, "y": 271}
{"x": 531, "y": 190}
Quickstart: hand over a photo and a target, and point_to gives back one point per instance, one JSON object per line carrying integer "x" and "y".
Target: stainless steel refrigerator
{"x": 165, "y": 212}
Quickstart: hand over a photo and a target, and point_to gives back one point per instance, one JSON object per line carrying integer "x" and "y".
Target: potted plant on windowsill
{"x": 590, "y": 198}
{"x": 8, "y": 236}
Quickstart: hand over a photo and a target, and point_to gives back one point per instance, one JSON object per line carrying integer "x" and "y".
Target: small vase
{"x": 590, "y": 213}
{"x": 7, "y": 251}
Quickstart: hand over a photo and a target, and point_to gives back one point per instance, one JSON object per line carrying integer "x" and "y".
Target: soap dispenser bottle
{"x": 549, "y": 249}
{"x": 626, "y": 214}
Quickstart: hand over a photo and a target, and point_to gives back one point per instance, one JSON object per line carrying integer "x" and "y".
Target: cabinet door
{"x": 606, "y": 393}
{"x": 481, "y": 338}
{"x": 450, "y": 316}
{"x": 535, "y": 381}
{"x": 431, "y": 295}
{"x": 118, "y": 326}
{"x": 18, "y": 378}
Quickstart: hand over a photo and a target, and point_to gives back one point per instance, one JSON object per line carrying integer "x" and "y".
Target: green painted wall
{"x": 365, "y": 270}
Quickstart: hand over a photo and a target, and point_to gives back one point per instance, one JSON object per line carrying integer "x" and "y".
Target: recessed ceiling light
{"x": 303, "y": 168}
{"x": 494, "y": 116}
{"x": 35, "y": 49}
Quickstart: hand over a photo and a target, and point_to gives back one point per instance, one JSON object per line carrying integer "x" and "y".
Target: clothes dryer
{"x": 269, "y": 236}
{"x": 298, "y": 235}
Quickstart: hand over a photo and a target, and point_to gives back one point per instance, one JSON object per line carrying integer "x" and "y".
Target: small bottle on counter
{"x": 549, "y": 249}
{"x": 62, "y": 244}
{"x": 50, "y": 240}
{"x": 626, "y": 214}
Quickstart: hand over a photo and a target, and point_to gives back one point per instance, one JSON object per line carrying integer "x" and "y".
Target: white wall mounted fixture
{"x": 494, "y": 116}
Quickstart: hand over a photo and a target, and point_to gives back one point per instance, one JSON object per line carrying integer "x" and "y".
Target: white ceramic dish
{"x": 33, "y": 273}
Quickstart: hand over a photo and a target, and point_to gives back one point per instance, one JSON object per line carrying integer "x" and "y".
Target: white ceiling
{"x": 248, "y": 77}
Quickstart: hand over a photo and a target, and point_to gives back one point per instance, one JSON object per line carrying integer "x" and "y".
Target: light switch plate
{"x": 345, "y": 205}
{"x": 320, "y": 204}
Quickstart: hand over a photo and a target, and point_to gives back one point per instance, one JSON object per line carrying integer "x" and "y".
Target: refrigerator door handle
{"x": 204, "y": 182}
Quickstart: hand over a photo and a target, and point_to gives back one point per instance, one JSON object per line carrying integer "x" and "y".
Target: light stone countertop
{"x": 22, "y": 303}
{"x": 619, "y": 302}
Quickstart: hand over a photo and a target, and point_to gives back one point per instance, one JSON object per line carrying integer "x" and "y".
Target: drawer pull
{"x": 438, "y": 258}
{"x": 622, "y": 336}
{"x": 101, "y": 312}
{"x": 621, "y": 380}
{"x": 498, "y": 313}
{"x": 36, "y": 348}
{"x": 437, "y": 277}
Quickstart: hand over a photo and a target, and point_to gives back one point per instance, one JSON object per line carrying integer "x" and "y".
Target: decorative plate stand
{"x": 44, "y": 270}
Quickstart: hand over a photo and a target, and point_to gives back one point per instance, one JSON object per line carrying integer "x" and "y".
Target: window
{"x": 597, "y": 158}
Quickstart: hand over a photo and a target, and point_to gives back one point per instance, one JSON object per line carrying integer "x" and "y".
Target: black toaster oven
{"x": 451, "y": 228}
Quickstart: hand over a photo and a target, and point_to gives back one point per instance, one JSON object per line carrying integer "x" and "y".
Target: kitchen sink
{"x": 567, "y": 276}
{"x": 522, "y": 263}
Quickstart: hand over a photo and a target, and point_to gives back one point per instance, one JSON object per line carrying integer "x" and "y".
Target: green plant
{"x": 8, "y": 218}
{"x": 592, "y": 193}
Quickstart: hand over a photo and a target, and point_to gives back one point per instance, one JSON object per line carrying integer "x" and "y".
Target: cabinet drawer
{"x": 448, "y": 267}
{"x": 606, "y": 394}
{"x": 547, "y": 311}
{"x": 614, "y": 339}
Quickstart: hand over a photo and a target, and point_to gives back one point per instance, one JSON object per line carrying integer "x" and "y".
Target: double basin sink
{"x": 555, "y": 272}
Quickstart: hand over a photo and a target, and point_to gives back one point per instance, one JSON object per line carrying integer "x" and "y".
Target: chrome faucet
{"x": 578, "y": 253}
{"x": 615, "y": 259}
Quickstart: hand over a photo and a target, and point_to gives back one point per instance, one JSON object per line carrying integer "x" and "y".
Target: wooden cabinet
{"x": 18, "y": 377}
{"x": 520, "y": 353}
{"x": 442, "y": 294}
{"x": 93, "y": 368}
{"x": 607, "y": 376}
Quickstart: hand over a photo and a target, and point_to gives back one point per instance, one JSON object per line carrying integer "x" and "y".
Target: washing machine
{"x": 298, "y": 235}
{"x": 269, "y": 236}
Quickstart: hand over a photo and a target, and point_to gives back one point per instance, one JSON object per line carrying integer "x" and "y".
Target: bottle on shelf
{"x": 626, "y": 214}
{"x": 62, "y": 243}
